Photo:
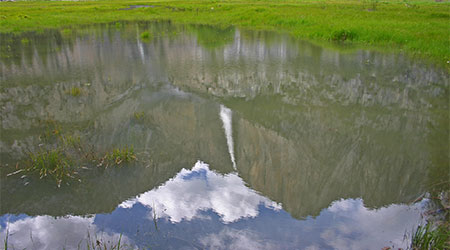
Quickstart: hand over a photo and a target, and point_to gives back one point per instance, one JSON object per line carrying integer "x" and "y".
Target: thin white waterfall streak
{"x": 225, "y": 115}
{"x": 141, "y": 50}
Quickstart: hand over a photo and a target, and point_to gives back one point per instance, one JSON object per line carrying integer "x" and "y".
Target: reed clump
{"x": 429, "y": 236}
{"x": 62, "y": 156}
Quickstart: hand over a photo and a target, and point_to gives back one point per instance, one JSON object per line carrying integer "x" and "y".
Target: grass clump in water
{"x": 63, "y": 156}
{"x": 138, "y": 115}
{"x": 145, "y": 35}
{"x": 75, "y": 91}
{"x": 25, "y": 41}
{"x": 125, "y": 154}
{"x": 435, "y": 233}
{"x": 53, "y": 163}
{"x": 428, "y": 237}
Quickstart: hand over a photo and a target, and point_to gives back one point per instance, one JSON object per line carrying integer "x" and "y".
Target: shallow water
{"x": 247, "y": 140}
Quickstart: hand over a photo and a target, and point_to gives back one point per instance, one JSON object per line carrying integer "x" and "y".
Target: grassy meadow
{"x": 418, "y": 27}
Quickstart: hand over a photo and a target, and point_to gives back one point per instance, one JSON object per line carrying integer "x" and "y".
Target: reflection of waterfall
{"x": 225, "y": 115}
{"x": 141, "y": 50}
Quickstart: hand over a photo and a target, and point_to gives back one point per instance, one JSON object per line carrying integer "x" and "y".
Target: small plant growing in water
{"x": 75, "y": 91}
{"x": 145, "y": 35}
{"x": 427, "y": 237}
{"x": 138, "y": 115}
{"x": 125, "y": 154}
{"x": 25, "y": 41}
{"x": 62, "y": 156}
{"x": 53, "y": 163}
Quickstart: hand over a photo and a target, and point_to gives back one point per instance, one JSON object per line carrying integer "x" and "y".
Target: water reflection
{"x": 226, "y": 116}
{"x": 46, "y": 232}
{"x": 199, "y": 208}
{"x": 287, "y": 129}
{"x": 200, "y": 189}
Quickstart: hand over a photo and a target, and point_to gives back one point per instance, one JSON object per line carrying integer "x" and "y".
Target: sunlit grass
{"x": 145, "y": 35}
{"x": 126, "y": 154}
{"x": 419, "y": 27}
{"x": 53, "y": 163}
{"x": 428, "y": 237}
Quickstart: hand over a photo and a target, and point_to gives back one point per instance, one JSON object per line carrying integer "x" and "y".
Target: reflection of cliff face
{"x": 306, "y": 159}
{"x": 310, "y": 125}
{"x": 176, "y": 130}
{"x": 317, "y": 125}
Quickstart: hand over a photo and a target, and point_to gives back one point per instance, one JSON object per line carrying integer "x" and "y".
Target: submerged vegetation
{"x": 92, "y": 242}
{"x": 62, "y": 156}
{"x": 419, "y": 27}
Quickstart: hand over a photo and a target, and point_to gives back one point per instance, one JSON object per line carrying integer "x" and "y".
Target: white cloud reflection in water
{"x": 200, "y": 189}
{"x": 356, "y": 227}
{"x": 47, "y": 232}
{"x": 345, "y": 224}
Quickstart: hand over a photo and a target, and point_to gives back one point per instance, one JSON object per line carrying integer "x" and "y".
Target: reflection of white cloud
{"x": 235, "y": 239}
{"x": 200, "y": 189}
{"x": 46, "y": 232}
{"x": 357, "y": 227}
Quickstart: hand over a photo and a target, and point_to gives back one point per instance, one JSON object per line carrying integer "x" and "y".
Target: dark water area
{"x": 244, "y": 139}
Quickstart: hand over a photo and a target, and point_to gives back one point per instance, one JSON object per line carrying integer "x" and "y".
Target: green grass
{"x": 5, "y": 241}
{"x": 145, "y": 35}
{"x": 53, "y": 163}
{"x": 125, "y": 154}
{"x": 426, "y": 237}
{"x": 419, "y": 27}
{"x": 62, "y": 156}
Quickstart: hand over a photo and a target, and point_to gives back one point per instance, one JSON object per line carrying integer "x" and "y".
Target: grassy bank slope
{"x": 421, "y": 28}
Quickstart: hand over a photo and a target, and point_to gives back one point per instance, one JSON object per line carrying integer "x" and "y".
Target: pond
{"x": 242, "y": 139}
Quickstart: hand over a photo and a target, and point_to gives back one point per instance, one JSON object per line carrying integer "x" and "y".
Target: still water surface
{"x": 245, "y": 139}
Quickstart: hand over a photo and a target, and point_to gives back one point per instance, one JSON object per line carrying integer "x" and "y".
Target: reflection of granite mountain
{"x": 316, "y": 125}
{"x": 174, "y": 133}
{"x": 307, "y": 158}
{"x": 311, "y": 125}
